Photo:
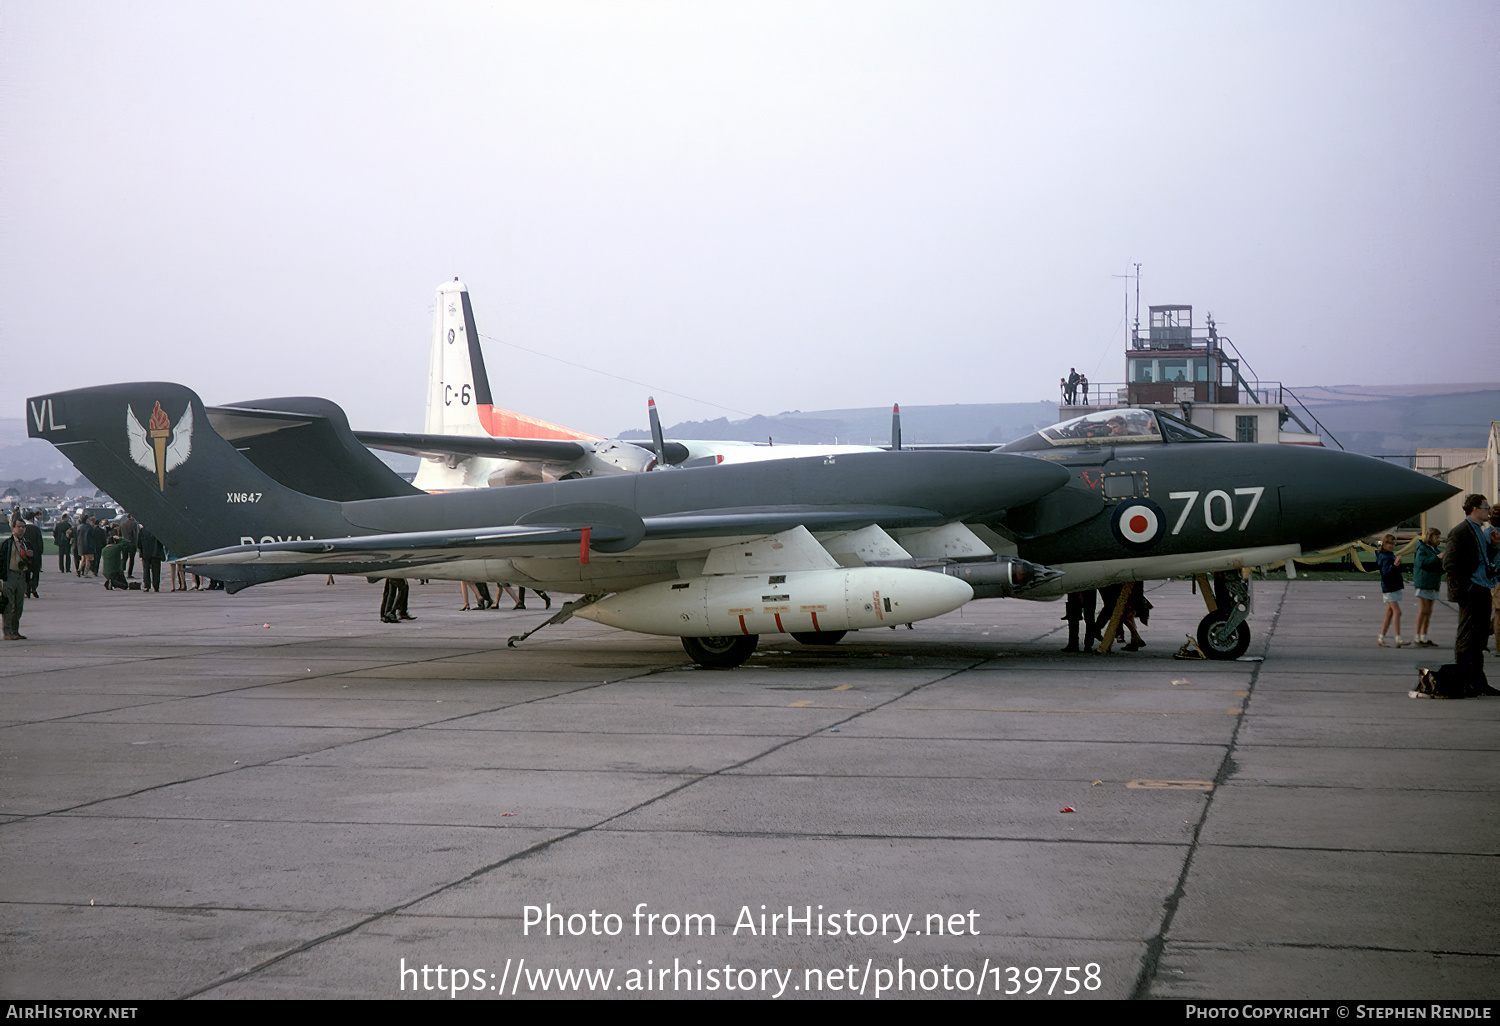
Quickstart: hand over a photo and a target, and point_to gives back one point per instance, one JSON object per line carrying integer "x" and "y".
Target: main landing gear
{"x": 1223, "y": 633}
{"x": 721, "y": 653}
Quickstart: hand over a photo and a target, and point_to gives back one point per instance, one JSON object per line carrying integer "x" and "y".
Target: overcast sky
{"x": 762, "y": 206}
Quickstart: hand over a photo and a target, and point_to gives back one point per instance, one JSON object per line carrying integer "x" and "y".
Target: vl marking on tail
{"x": 44, "y": 416}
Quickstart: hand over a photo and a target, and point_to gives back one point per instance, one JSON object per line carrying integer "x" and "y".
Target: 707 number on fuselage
{"x": 1216, "y": 498}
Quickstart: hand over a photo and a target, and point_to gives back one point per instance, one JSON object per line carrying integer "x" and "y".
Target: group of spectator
{"x": 1073, "y": 386}
{"x": 89, "y": 548}
{"x": 94, "y": 548}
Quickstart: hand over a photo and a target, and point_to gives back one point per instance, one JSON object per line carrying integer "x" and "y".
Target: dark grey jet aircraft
{"x": 717, "y": 556}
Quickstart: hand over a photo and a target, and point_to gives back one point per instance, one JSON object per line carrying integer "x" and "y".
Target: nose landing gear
{"x": 1223, "y": 633}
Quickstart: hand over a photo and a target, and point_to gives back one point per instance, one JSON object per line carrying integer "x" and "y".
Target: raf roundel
{"x": 1138, "y": 523}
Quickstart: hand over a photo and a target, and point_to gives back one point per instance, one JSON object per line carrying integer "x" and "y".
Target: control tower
{"x": 1170, "y": 364}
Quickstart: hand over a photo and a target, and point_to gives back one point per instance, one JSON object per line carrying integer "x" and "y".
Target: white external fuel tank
{"x": 808, "y": 600}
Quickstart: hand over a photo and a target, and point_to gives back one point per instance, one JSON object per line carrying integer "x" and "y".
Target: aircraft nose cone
{"x": 1336, "y": 497}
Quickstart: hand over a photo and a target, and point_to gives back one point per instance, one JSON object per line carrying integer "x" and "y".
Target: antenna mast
{"x": 1135, "y": 334}
{"x": 1137, "y": 299}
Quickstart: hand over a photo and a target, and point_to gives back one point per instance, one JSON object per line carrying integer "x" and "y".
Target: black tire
{"x": 721, "y": 653}
{"x": 819, "y": 637}
{"x": 1213, "y": 641}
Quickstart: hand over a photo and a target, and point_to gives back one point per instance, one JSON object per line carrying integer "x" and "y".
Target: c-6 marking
{"x": 242, "y": 496}
{"x": 1221, "y": 517}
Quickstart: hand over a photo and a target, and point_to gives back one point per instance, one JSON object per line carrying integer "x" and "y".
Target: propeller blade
{"x": 896, "y": 427}
{"x": 658, "y": 444}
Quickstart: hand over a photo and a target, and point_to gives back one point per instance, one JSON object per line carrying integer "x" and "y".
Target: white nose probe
{"x": 806, "y": 600}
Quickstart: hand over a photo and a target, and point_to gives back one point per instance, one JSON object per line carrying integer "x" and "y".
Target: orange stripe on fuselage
{"x": 509, "y": 424}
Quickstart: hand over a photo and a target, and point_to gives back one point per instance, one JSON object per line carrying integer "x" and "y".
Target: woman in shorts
{"x": 1426, "y": 576}
{"x": 1391, "y": 586}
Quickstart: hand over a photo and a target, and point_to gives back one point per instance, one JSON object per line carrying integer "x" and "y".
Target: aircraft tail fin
{"x": 151, "y": 447}
{"x": 458, "y": 389}
{"x": 458, "y": 395}
{"x": 457, "y": 385}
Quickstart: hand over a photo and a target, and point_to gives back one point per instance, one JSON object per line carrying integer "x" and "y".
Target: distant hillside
{"x": 1371, "y": 419}
{"x": 1396, "y": 419}
{"x": 973, "y": 422}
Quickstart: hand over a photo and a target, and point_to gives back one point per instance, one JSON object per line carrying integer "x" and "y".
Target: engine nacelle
{"x": 805, "y": 600}
{"x": 609, "y": 457}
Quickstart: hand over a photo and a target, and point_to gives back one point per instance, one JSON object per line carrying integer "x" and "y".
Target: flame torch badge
{"x": 159, "y": 445}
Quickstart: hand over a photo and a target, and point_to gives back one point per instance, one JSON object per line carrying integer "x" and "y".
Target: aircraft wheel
{"x": 722, "y": 652}
{"x": 1218, "y": 643}
{"x": 819, "y": 637}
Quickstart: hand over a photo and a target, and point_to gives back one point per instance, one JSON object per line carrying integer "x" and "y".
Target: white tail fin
{"x": 459, "y": 401}
{"x": 457, "y": 386}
